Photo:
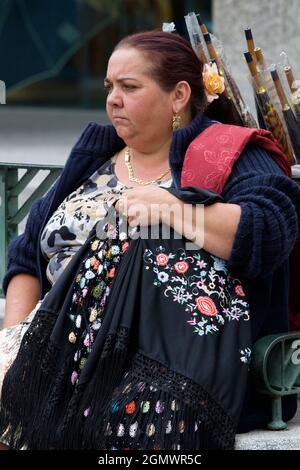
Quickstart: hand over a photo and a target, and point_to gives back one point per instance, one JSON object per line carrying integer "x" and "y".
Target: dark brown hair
{"x": 172, "y": 59}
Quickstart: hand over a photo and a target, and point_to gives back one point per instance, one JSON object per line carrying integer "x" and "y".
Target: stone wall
{"x": 275, "y": 27}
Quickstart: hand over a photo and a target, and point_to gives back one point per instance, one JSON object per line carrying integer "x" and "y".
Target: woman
{"x": 153, "y": 80}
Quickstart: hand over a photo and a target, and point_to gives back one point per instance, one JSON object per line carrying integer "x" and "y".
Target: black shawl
{"x": 168, "y": 367}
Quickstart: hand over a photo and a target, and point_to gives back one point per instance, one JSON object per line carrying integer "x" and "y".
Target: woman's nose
{"x": 114, "y": 98}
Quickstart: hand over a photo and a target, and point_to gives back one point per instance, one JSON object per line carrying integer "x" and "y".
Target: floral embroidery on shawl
{"x": 202, "y": 284}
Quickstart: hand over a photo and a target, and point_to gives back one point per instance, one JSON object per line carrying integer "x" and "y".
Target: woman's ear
{"x": 181, "y": 96}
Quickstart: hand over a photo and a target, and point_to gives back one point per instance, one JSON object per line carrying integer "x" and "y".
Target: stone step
{"x": 287, "y": 439}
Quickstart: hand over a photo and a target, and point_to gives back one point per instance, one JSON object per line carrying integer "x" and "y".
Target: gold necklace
{"x": 131, "y": 174}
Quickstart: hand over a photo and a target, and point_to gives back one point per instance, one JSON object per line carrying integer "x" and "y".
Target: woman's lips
{"x": 119, "y": 118}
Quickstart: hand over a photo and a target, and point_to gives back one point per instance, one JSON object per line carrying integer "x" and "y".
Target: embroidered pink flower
{"x": 162, "y": 259}
{"x": 239, "y": 290}
{"x": 74, "y": 377}
{"x": 125, "y": 247}
{"x": 111, "y": 273}
{"x": 201, "y": 284}
{"x": 88, "y": 340}
{"x": 206, "y": 306}
{"x": 96, "y": 264}
{"x": 84, "y": 291}
{"x": 181, "y": 267}
{"x": 201, "y": 264}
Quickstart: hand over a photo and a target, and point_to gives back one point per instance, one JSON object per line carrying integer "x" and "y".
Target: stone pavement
{"x": 287, "y": 439}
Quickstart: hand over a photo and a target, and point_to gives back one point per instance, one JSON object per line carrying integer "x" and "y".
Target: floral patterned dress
{"x": 69, "y": 226}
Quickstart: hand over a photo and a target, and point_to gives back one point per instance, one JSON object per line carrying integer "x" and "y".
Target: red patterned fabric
{"x": 210, "y": 157}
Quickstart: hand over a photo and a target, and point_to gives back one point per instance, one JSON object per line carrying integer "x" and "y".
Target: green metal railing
{"x": 11, "y": 187}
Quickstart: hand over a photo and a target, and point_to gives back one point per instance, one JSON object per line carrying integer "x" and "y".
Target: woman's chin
{"x": 123, "y": 133}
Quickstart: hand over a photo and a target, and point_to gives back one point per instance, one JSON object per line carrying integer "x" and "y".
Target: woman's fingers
{"x": 140, "y": 207}
{"x": 121, "y": 206}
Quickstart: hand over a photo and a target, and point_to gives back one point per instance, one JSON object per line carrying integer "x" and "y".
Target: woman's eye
{"x": 129, "y": 87}
{"x": 107, "y": 88}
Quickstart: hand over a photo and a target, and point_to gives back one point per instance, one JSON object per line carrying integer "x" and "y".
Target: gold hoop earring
{"x": 176, "y": 121}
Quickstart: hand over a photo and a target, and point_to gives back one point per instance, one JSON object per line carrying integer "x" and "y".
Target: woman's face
{"x": 138, "y": 108}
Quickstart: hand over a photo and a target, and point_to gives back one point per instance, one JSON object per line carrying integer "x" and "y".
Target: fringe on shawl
{"x": 131, "y": 402}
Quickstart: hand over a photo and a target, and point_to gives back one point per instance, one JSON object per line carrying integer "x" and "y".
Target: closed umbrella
{"x": 295, "y": 92}
{"x": 232, "y": 92}
{"x": 252, "y": 49}
{"x": 269, "y": 114}
{"x": 288, "y": 114}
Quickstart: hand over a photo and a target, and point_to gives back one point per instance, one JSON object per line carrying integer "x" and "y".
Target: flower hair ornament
{"x": 213, "y": 82}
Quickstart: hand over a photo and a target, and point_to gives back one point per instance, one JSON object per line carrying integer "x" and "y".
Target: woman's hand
{"x": 144, "y": 206}
{"x": 212, "y": 227}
